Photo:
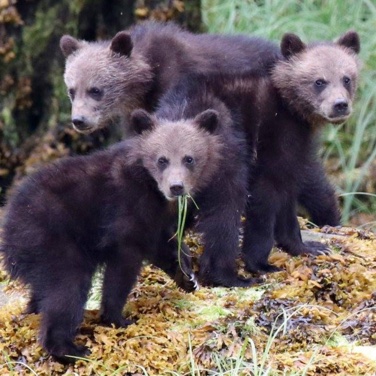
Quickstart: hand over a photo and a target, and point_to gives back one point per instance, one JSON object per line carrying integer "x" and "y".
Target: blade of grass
{"x": 182, "y": 216}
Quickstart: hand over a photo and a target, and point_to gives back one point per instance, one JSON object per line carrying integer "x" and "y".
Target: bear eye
{"x": 188, "y": 160}
{"x": 71, "y": 93}
{"x": 95, "y": 93}
{"x": 162, "y": 162}
{"x": 320, "y": 82}
{"x": 346, "y": 80}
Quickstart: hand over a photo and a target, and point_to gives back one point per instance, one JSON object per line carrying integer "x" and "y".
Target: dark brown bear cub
{"x": 224, "y": 197}
{"x": 115, "y": 207}
{"x": 107, "y": 80}
{"x": 310, "y": 86}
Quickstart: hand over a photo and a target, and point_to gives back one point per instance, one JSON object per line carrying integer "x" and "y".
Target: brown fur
{"x": 110, "y": 209}
{"x": 217, "y": 179}
{"x": 161, "y": 142}
{"x": 295, "y": 79}
{"x": 137, "y": 67}
{"x": 309, "y": 86}
{"x": 94, "y": 62}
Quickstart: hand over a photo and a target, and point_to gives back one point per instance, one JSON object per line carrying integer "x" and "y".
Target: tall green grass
{"x": 352, "y": 145}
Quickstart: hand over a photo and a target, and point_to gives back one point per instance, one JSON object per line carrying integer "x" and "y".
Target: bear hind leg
{"x": 62, "y": 312}
{"x": 288, "y": 235}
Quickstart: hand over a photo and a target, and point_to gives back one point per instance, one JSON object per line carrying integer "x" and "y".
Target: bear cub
{"x": 224, "y": 197}
{"x": 308, "y": 87}
{"x": 115, "y": 207}
{"x": 107, "y": 80}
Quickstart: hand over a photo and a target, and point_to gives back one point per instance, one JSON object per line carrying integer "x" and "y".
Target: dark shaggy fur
{"x": 81, "y": 212}
{"x": 287, "y": 169}
{"x": 152, "y": 59}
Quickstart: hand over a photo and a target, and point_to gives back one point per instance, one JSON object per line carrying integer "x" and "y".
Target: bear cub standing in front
{"x": 114, "y": 207}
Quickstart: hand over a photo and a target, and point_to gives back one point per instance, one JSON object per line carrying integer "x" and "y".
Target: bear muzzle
{"x": 177, "y": 189}
{"x": 80, "y": 124}
{"x": 341, "y": 107}
{"x": 336, "y": 111}
{"x": 341, "y": 110}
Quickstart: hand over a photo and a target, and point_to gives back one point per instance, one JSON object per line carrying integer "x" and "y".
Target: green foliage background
{"x": 350, "y": 149}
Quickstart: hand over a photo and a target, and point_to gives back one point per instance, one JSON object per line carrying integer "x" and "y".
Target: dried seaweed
{"x": 308, "y": 318}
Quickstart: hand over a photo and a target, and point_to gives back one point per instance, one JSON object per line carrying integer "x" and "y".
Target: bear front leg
{"x": 177, "y": 264}
{"x": 184, "y": 276}
{"x": 219, "y": 214}
{"x": 288, "y": 235}
{"x": 122, "y": 269}
{"x": 318, "y": 196}
{"x": 259, "y": 232}
{"x": 220, "y": 232}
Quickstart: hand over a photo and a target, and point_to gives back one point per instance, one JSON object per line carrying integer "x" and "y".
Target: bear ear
{"x": 208, "y": 120}
{"x": 68, "y": 45}
{"x": 122, "y": 44}
{"x": 350, "y": 40}
{"x": 141, "y": 121}
{"x": 291, "y": 44}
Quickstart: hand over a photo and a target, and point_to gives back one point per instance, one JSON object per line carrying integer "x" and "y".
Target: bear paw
{"x": 187, "y": 282}
{"x": 118, "y": 322}
{"x": 229, "y": 280}
{"x": 69, "y": 353}
{"x": 261, "y": 268}
{"x": 317, "y": 248}
{"x": 310, "y": 248}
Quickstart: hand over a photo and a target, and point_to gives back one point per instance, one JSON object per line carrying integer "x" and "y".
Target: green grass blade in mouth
{"x": 182, "y": 215}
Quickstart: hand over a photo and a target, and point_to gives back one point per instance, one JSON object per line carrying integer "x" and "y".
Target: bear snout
{"x": 81, "y": 124}
{"x": 177, "y": 188}
{"x": 340, "y": 107}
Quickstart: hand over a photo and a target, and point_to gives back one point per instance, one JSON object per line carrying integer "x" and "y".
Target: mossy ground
{"x": 316, "y": 317}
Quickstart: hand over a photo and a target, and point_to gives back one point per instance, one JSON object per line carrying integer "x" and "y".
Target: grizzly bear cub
{"x": 107, "y": 80}
{"x": 114, "y": 207}
{"x": 310, "y": 86}
{"x": 224, "y": 198}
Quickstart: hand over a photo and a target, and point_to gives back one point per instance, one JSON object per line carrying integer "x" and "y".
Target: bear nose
{"x": 177, "y": 189}
{"x": 341, "y": 106}
{"x": 79, "y": 122}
